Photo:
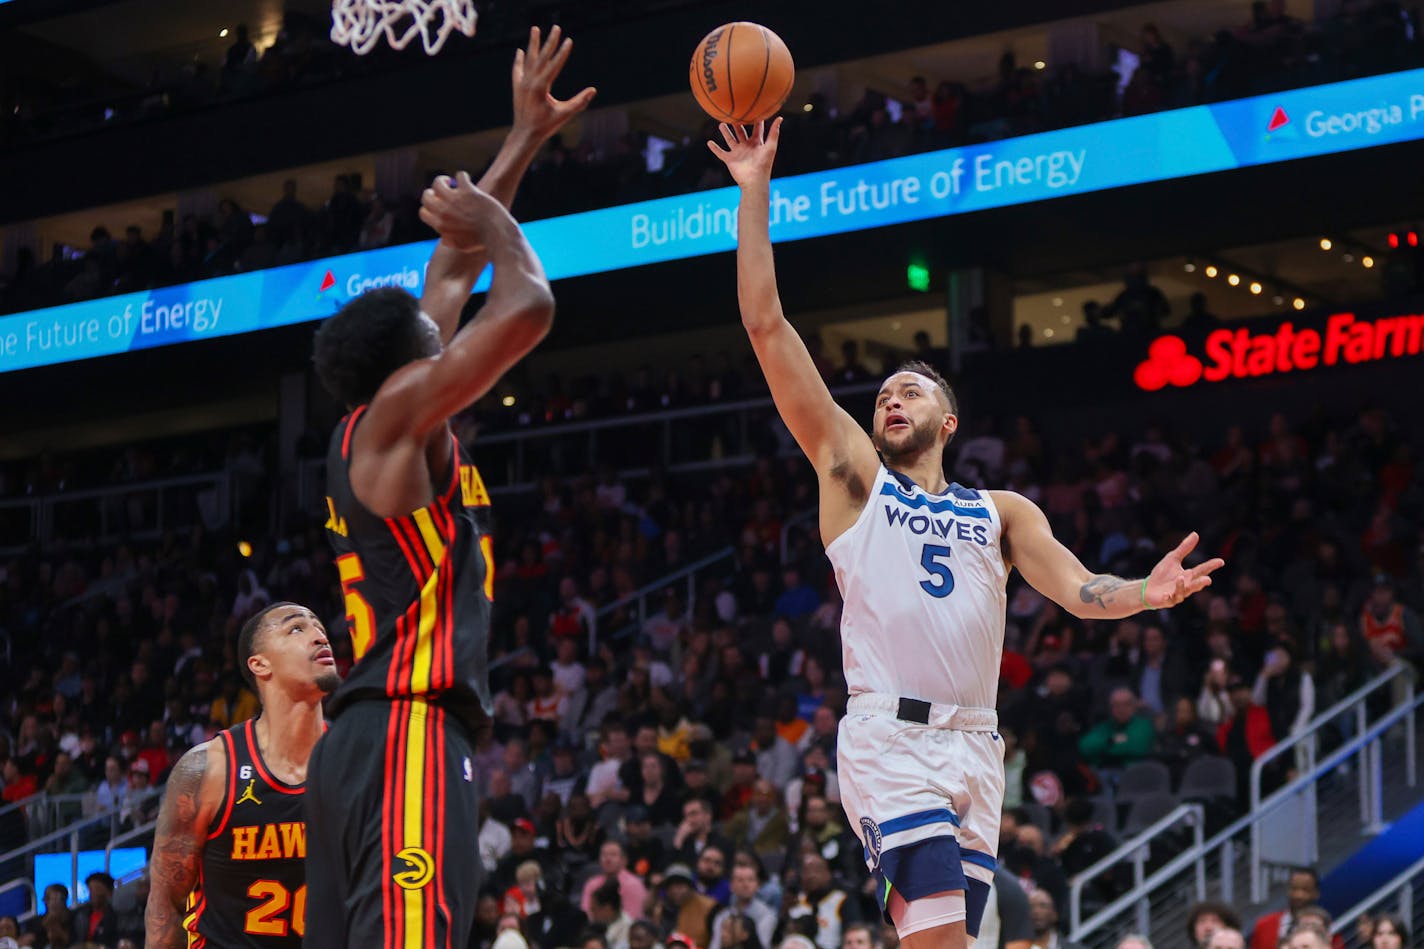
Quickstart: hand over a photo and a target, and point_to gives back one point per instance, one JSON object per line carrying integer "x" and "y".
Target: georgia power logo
{"x": 1241, "y": 354}
{"x": 1280, "y": 119}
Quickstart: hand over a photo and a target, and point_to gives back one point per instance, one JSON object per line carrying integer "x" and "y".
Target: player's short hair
{"x": 920, "y": 367}
{"x": 369, "y": 338}
{"x": 247, "y": 639}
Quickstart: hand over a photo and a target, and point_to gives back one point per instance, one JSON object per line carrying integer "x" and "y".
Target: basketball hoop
{"x": 360, "y": 23}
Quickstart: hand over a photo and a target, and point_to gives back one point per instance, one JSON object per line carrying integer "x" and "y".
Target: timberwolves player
{"x": 227, "y": 867}
{"x": 392, "y": 807}
{"x": 922, "y": 565}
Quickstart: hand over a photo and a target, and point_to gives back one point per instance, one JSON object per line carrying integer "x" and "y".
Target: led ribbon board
{"x": 1301, "y": 123}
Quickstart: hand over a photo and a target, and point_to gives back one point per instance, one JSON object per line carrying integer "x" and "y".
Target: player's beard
{"x": 328, "y": 682}
{"x": 920, "y": 439}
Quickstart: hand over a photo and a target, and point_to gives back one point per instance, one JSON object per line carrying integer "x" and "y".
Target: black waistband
{"x": 913, "y": 710}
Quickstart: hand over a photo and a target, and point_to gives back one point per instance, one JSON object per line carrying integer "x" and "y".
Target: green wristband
{"x": 1145, "y": 604}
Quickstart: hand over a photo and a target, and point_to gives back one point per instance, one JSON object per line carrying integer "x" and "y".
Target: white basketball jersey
{"x": 922, "y": 576}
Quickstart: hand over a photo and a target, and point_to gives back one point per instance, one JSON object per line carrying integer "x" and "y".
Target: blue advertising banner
{"x": 1301, "y": 123}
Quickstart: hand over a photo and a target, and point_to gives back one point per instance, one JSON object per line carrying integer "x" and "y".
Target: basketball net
{"x": 360, "y": 23}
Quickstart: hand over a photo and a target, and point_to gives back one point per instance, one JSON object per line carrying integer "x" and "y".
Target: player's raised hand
{"x": 1170, "y": 582}
{"x": 460, "y": 212}
{"x": 536, "y": 111}
{"x": 749, "y": 153}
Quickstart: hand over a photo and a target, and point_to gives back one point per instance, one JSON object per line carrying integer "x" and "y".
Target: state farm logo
{"x": 1241, "y": 354}
{"x": 1168, "y": 363}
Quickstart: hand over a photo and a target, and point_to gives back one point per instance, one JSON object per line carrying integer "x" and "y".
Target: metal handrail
{"x": 56, "y": 835}
{"x": 1223, "y": 838}
{"x": 22, "y": 803}
{"x": 1402, "y": 881}
{"x": 139, "y": 831}
{"x": 1354, "y": 700}
{"x": 640, "y": 595}
{"x": 1194, "y": 814}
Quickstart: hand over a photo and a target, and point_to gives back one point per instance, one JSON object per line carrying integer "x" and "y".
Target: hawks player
{"x": 229, "y": 854}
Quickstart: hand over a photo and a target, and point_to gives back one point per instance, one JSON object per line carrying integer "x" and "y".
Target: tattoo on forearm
{"x": 1098, "y": 589}
{"x": 177, "y": 852}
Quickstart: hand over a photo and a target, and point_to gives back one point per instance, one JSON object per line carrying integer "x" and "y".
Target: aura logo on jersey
{"x": 1241, "y": 354}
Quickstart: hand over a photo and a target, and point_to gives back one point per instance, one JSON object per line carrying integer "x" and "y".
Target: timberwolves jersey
{"x": 922, "y": 576}
{"x": 418, "y": 588}
{"x": 251, "y": 888}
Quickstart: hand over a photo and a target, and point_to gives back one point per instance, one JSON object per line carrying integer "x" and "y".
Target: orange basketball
{"x": 741, "y": 72}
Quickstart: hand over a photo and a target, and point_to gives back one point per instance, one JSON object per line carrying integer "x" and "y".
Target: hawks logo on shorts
{"x": 870, "y": 833}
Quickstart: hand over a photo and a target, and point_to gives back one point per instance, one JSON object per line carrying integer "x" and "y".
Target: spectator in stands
{"x": 1083, "y": 843}
{"x": 114, "y": 788}
{"x": 1185, "y": 738}
{"x": 762, "y": 827}
{"x": 608, "y": 911}
{"x": 657, "y": 795}
{"x": 1226, "y": 938}
{"x": 66, "y": 780}
{"x": 615, "y": 752}
{"x": 96, "y": 921}
{"x": 679, "y": 908}
{"x": 1390, "y": 627}
{"x": 1304, "y": 937}
{"x": 696, "y": 832}
{"x": 1043, "y": 915}
{"x": 824, "y": 903}
{"x": 711, "y": 873}
{"x": 613, "y": 867}
{"x": 56, "y": 909}
{"x": 1285, "y": 691}
{"x": 1125, "y": 738}
{"x": 376, "y": 229}
{"x": 1206, "y": 918}
{"x": 1389, "y": 933}
{"x": 746, "y": 881}
{"x": 1245, "y": 736}
{"x": 821, "y": 831}
{"x": 777, "y": 760}
{"x": 1134, "y": 942}
{"x": 1303, "y": 891}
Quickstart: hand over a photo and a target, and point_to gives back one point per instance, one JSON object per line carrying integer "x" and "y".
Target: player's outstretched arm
{"x": 538, "y": 115}
{"x": 189, "y": 803}
{"x": 1053, "y": 570}
{"x": 831, "y": 439}
{"x": 403, "y": 439}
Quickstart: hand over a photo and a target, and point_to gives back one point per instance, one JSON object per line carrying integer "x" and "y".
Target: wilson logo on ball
{"x": 709, "y": 53}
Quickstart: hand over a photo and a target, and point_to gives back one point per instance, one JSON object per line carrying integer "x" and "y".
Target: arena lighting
{"x": 1393, "y": 241}
{"x": 1325, "y": 243}
{"x": 1349, "y": 258}
{"x": 1040, "y": 64}
{"x": 244, "y": 548}
{"x": 1189, "y": 267}
{"x": 1278, "y": 300}
{"x": 1298, "y": 303}
{"x": 1211, "y": 270}
{"x": 807, "y": 107}
{"x": 1255, "y": 287}
{"x": 917, "y": 277}
{"x": 222, "y": 33}
{"x": 507, "y": 401}
{"x": 1233, "y": 280}
{"x": 1413, "y": 239}
{"x": 1367, "y": 261}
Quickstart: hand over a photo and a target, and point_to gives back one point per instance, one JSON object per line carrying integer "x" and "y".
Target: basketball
{"x": 741, "y": 72}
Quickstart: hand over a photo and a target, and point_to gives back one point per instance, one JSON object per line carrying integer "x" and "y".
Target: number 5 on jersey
{"x": 941, "y": 580}
{"x": 359, "y": 616}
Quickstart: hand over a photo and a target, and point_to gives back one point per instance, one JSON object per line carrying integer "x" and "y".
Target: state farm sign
{"x": 1241, "y": 354}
